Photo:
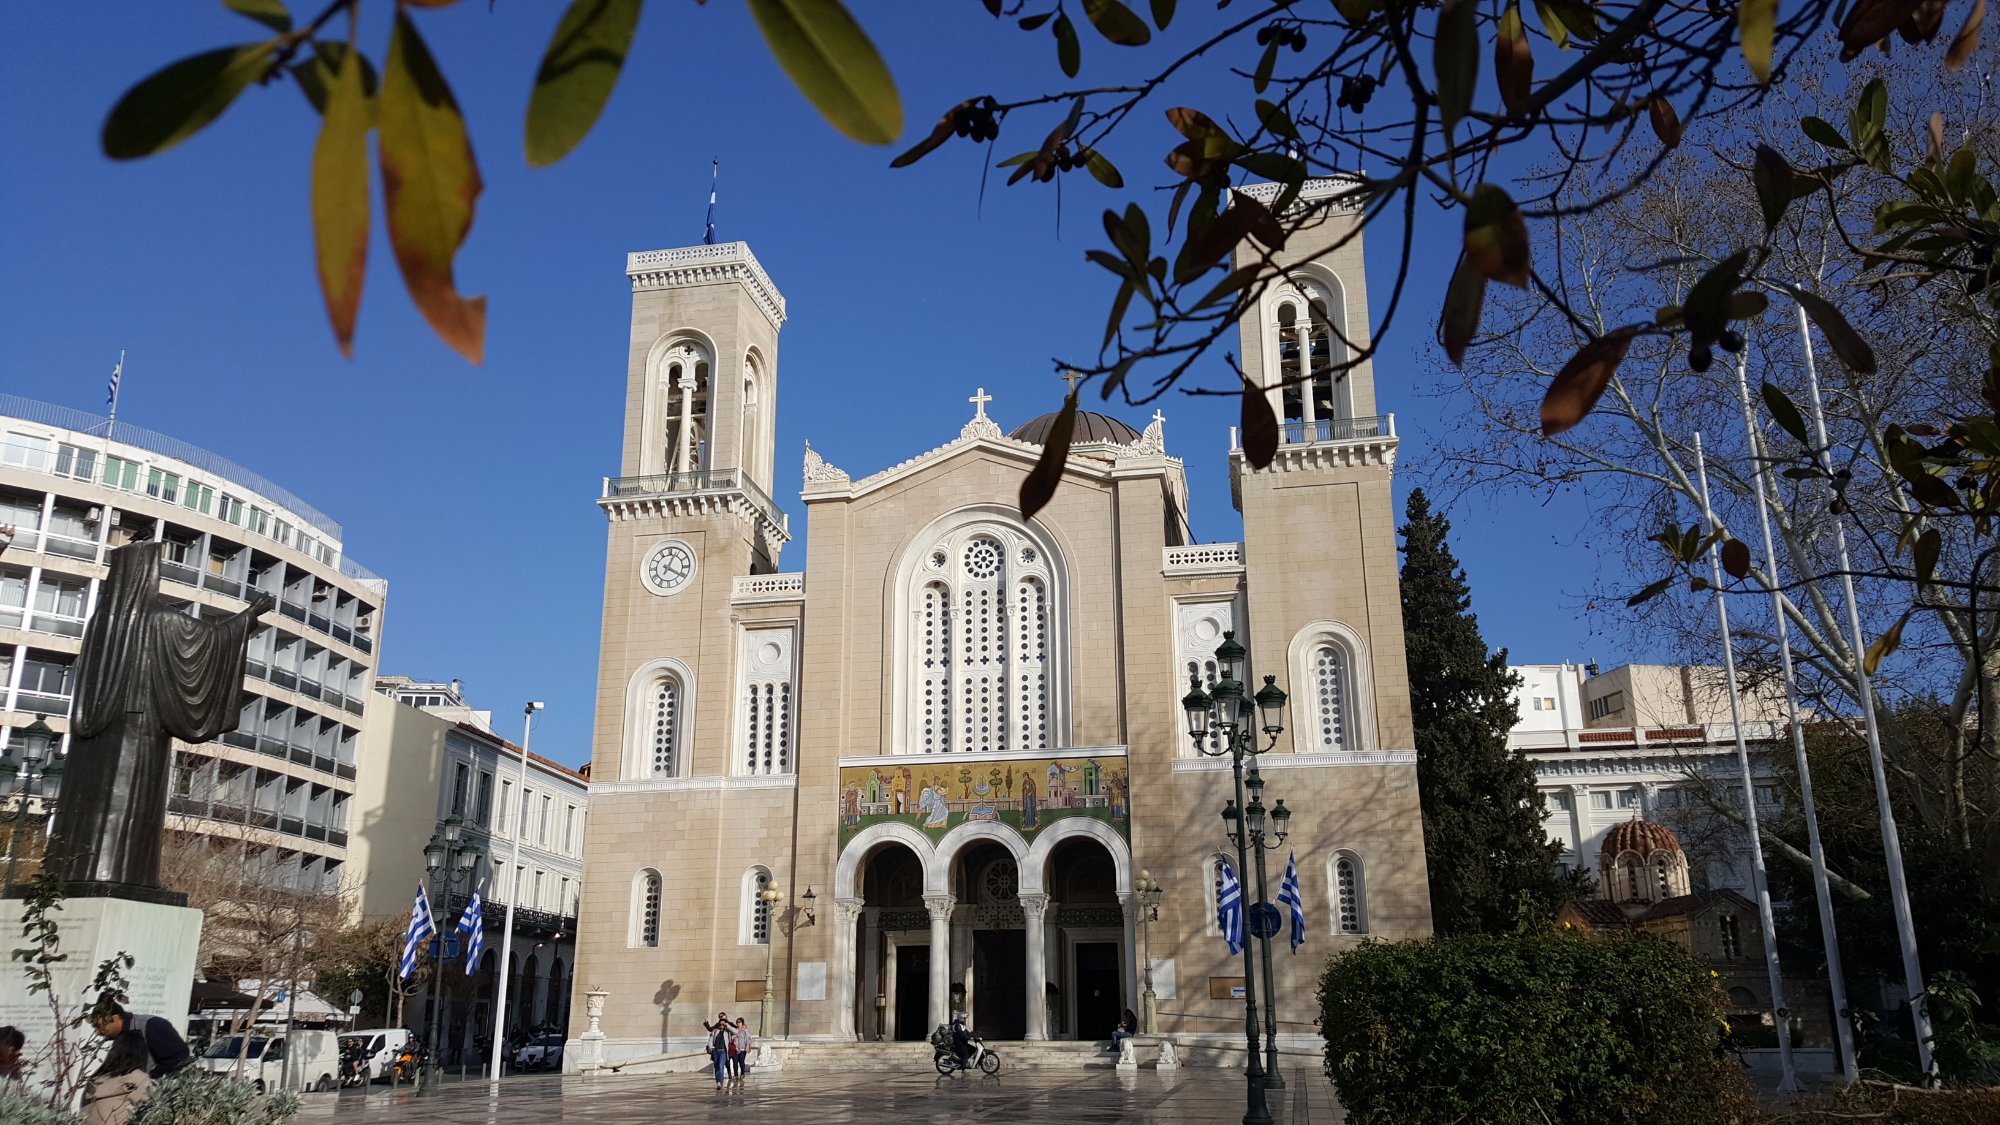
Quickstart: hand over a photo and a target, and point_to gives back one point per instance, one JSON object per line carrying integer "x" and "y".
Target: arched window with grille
{"x": 1333, "y": 708}
{"x": 659, "y": 710}
{"x": 981, "y": 663}
{"x": 1347, "y": 893}
{"x": 756, "y": 928}
{"x": 646, "y": 910}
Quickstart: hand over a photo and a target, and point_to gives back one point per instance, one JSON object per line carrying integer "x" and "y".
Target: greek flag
{"x": 421, "y": 930}
{"x": 472, "y": 926}
{"x": 111, "y": 388}
{"x": 1288, "y": 893}
{"x": 1229, "y": 906}
{"x": 715, "y": 173}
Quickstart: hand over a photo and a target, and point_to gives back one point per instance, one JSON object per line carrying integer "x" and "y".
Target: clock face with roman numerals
{"x": 668, "y": 568}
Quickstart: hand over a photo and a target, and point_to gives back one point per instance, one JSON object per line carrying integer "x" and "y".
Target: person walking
{"x": 742, "y": 1045}
{"x": 120, "y": 1082}
{"x": 721, "y": 1036}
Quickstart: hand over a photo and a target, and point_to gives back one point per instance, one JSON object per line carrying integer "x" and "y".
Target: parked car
{"x": 540, "y": 1052}
{"x": 304, "y": 1060}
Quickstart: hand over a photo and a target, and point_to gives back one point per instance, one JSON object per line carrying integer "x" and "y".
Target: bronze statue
{"x": 148, "y": 674}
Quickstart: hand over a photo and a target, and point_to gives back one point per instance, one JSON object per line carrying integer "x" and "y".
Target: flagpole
{"x": 117, "y": 377}
{"x": 514, "y": 875}
{"x": 714, "y": 177}
{"x": 1892, "y": 846}
{"x": 1788, "y": 1081}
{"x": 1836, "y": 979}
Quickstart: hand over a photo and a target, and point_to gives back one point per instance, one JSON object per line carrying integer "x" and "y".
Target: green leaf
{"x": 1496, "y": 238}
{"x": 1259, "y": 428}
{"x": 1118, "y": 306}
{"x": 1018, "y": 158}
{"x": 340, "y": 199}
{"x": 270, "y": 13}
{"x": 175, "y": 102}
{"x": 1746, "y": 304}
{"x": 1841, "y": 336}
{"x": 1102, "y": 170}
{"x": 1925, "y": 552}
{"x": 1581, "y": 382}
{"x": 1118, "y": 23}
{"x": 1650, "y": 592}
{"x": 1455, "y": 58}
{"x": 1040, "y": 485}
{"x": 1463, "y": 301}
{"x": 1163, "y": 13}
{"x": 1266, "y": 64}
{"x": 1772, "y": 175}
{"x": 430, "y": 185}
{"x": 829, "y": 58}
{"x": 1552, "y": 24}
{"x": 1885, "y": 644}
{"x": 1234, "y": 283}
{"x": 1030, "y": 23}
{"x": 1756, "y": 20}
{"x": 1069, "y": 52}
{"x": 315, "y": 75}
{"x": 1736, "y": 558}
{"x": 1785, "y": 414}
{"x": 1274, "y": 118}
{"x": 1820, "y": 131}
{"x": 1274, "y": 167}
{"x": 578, "y": 70}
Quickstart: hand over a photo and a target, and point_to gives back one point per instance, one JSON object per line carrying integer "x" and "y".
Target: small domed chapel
{"x": 951, "y": 740}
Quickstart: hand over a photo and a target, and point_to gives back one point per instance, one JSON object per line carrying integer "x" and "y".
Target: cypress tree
{"x": 1492, "y": 868}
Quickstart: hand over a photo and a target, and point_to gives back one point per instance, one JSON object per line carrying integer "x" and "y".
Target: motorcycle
{"x": 945, "y": 1055}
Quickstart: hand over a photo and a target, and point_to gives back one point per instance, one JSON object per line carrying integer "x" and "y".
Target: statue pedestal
{"x": 161, "y": 939}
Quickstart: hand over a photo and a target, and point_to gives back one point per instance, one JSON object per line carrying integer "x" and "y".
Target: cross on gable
{"x": 979, "y": 401}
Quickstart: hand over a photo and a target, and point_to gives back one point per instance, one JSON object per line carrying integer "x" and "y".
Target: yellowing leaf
{"x": 270, "y": 13}
{"x": 1885, "y": 644}
{"x": 430, "y": 185}
{"x": 1513, "y": 61}
{"x": 1581, "y": 382}
{"x": 1260, "y": 428}
{"x": 829, "y": 58}
{"x": 1967, "y": 38}
{"x": 1496, "y": 239}
{"x": 1756, "y": 20}
{"x": 1455, "y": 57}
{"x": 1118, "y": 23}
{"x": 173, "y": 103}
{"x": 1463, "y": 300}
{"x": 340, "y": 199}
{"x": 1039, "y": 487}
{"x": 577, "y": 74}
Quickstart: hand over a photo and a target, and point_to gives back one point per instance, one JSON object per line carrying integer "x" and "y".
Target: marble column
{"x": 940, "y": 908}
{"x": 872, "y": 984}
{"x": 1033, "y": 907}
{"x": 684, "y": 455}
{"x": 1133, "y": 908}
{"x": 846, "y": 914}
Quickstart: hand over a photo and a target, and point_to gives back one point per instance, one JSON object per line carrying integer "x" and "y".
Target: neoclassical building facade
{"x": 954, "y": 740}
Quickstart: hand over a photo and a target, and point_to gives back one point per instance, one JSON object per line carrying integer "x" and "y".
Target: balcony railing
{"x": 1337, "y": 429}
{"x": 699, "y": 481}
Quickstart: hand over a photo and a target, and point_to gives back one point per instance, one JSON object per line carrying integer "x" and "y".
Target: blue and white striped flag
{"x": 715, "y": 173}
{"x": 1288, "y": 893}
{"x": 1229, "y": 907}
{"x": 472, "y": 926}
{"x": 422, "y": 929}
{"x": 111, "y": 388}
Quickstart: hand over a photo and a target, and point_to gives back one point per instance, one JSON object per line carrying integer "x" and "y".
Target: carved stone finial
{"x": 981, "y": 426}
{"x": 819, "y": 472}
{"x": 1154, "y": 441}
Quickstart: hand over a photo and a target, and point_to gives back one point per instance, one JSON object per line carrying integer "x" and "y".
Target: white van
{"x": 303, "y": 1060}
{"x": 382, "y": 1045}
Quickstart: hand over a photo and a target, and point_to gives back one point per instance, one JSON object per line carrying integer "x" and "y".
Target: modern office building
{"x": 282, "y": 783}
{"x": 429, "y": 756}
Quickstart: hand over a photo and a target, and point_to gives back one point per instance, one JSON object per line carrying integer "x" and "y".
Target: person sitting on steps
{"x": 1128, "y": 1026}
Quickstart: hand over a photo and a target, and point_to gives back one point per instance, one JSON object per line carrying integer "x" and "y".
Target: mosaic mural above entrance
{"x": 936, "y": 794}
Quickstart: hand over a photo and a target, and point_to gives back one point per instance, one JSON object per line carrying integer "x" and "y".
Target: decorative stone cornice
{"x": 683, "y": 504}
{"x": 692, "y": 784}
{"x": 707, "y": 265}
{"x": 1335, "y": 192}
{"x": 1280, "y": 761}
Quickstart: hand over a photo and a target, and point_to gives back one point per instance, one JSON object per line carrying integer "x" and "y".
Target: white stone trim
{"x": 748, "y": 905}
{"x": 636, "y": 760}
{"x": 691, "y": 784}
{"x": 847, "y": 870}
{"x": 754, "y": 589}
{"x": 1069, "y": 828}
{"x": 987, "y": 756}
{"x": 1202, "y": 560}
{"x": 635, "y": 937}
{"x": 937, "y": 867}
{"x": 707, "y": 265}
{"x": 1278, "y": 760}
{"x": 1333, "y": 892}
{"x": 1361, "y": 733}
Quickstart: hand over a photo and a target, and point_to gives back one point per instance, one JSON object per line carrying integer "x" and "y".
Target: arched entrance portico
{"x": 1033, "y": 941}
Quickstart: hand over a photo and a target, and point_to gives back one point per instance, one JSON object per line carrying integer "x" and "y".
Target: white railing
{"x": 769, "y": 586}
{"x": 1203, "y": 557}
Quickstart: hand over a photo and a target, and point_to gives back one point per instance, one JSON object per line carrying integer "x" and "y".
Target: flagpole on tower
{"x": 714, "y": 175}
{"x": 513, "y": 884}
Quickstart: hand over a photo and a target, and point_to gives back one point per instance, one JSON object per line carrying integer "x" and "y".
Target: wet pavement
{"x": 1085, "y": 1097}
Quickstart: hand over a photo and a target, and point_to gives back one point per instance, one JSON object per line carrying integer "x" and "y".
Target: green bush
{"x": 194, "y": 1097}
{"x": 1529, "y": 1028}
{"x": 19, "y": 1107}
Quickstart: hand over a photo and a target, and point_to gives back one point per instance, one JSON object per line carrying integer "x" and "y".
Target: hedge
{"x": 1530, "y": 1028}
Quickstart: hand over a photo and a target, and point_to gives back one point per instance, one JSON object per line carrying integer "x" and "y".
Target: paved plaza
{"x": 1083, "y": 1097}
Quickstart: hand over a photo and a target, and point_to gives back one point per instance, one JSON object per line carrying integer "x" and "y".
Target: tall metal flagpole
{"x": 1836, "y": 980}
{"x": 1788, "y": 1079}
{"x": 514, "y": 892}
{"x": 1892, "y": 845}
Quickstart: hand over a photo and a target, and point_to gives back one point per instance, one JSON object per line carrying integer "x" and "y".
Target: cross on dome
{"x": 979, "y": 401}
{"x": 1070, "y": 377}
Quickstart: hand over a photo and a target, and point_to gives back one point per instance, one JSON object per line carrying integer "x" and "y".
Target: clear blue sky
{"x": 471, "y": 489}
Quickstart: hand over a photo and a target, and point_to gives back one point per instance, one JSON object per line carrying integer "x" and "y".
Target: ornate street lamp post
{"x": 1224, "y": 721}
{"x": 1149, "y": 901}
{"x": 772, "y": 898}
{"x": 1254, "y": 827}
{"x": 33, "y": 741}
{"x": 448, "y": 859}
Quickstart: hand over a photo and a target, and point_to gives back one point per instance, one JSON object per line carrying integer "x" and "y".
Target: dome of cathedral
{"x": 1639, "y": 836}
{"x": 1090, "y": 427}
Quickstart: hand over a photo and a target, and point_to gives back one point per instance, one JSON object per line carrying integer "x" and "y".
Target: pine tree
{"x": 1492, "y": 868}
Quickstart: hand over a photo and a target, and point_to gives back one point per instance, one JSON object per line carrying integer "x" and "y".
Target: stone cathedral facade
{"x": 954, "y": 738}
